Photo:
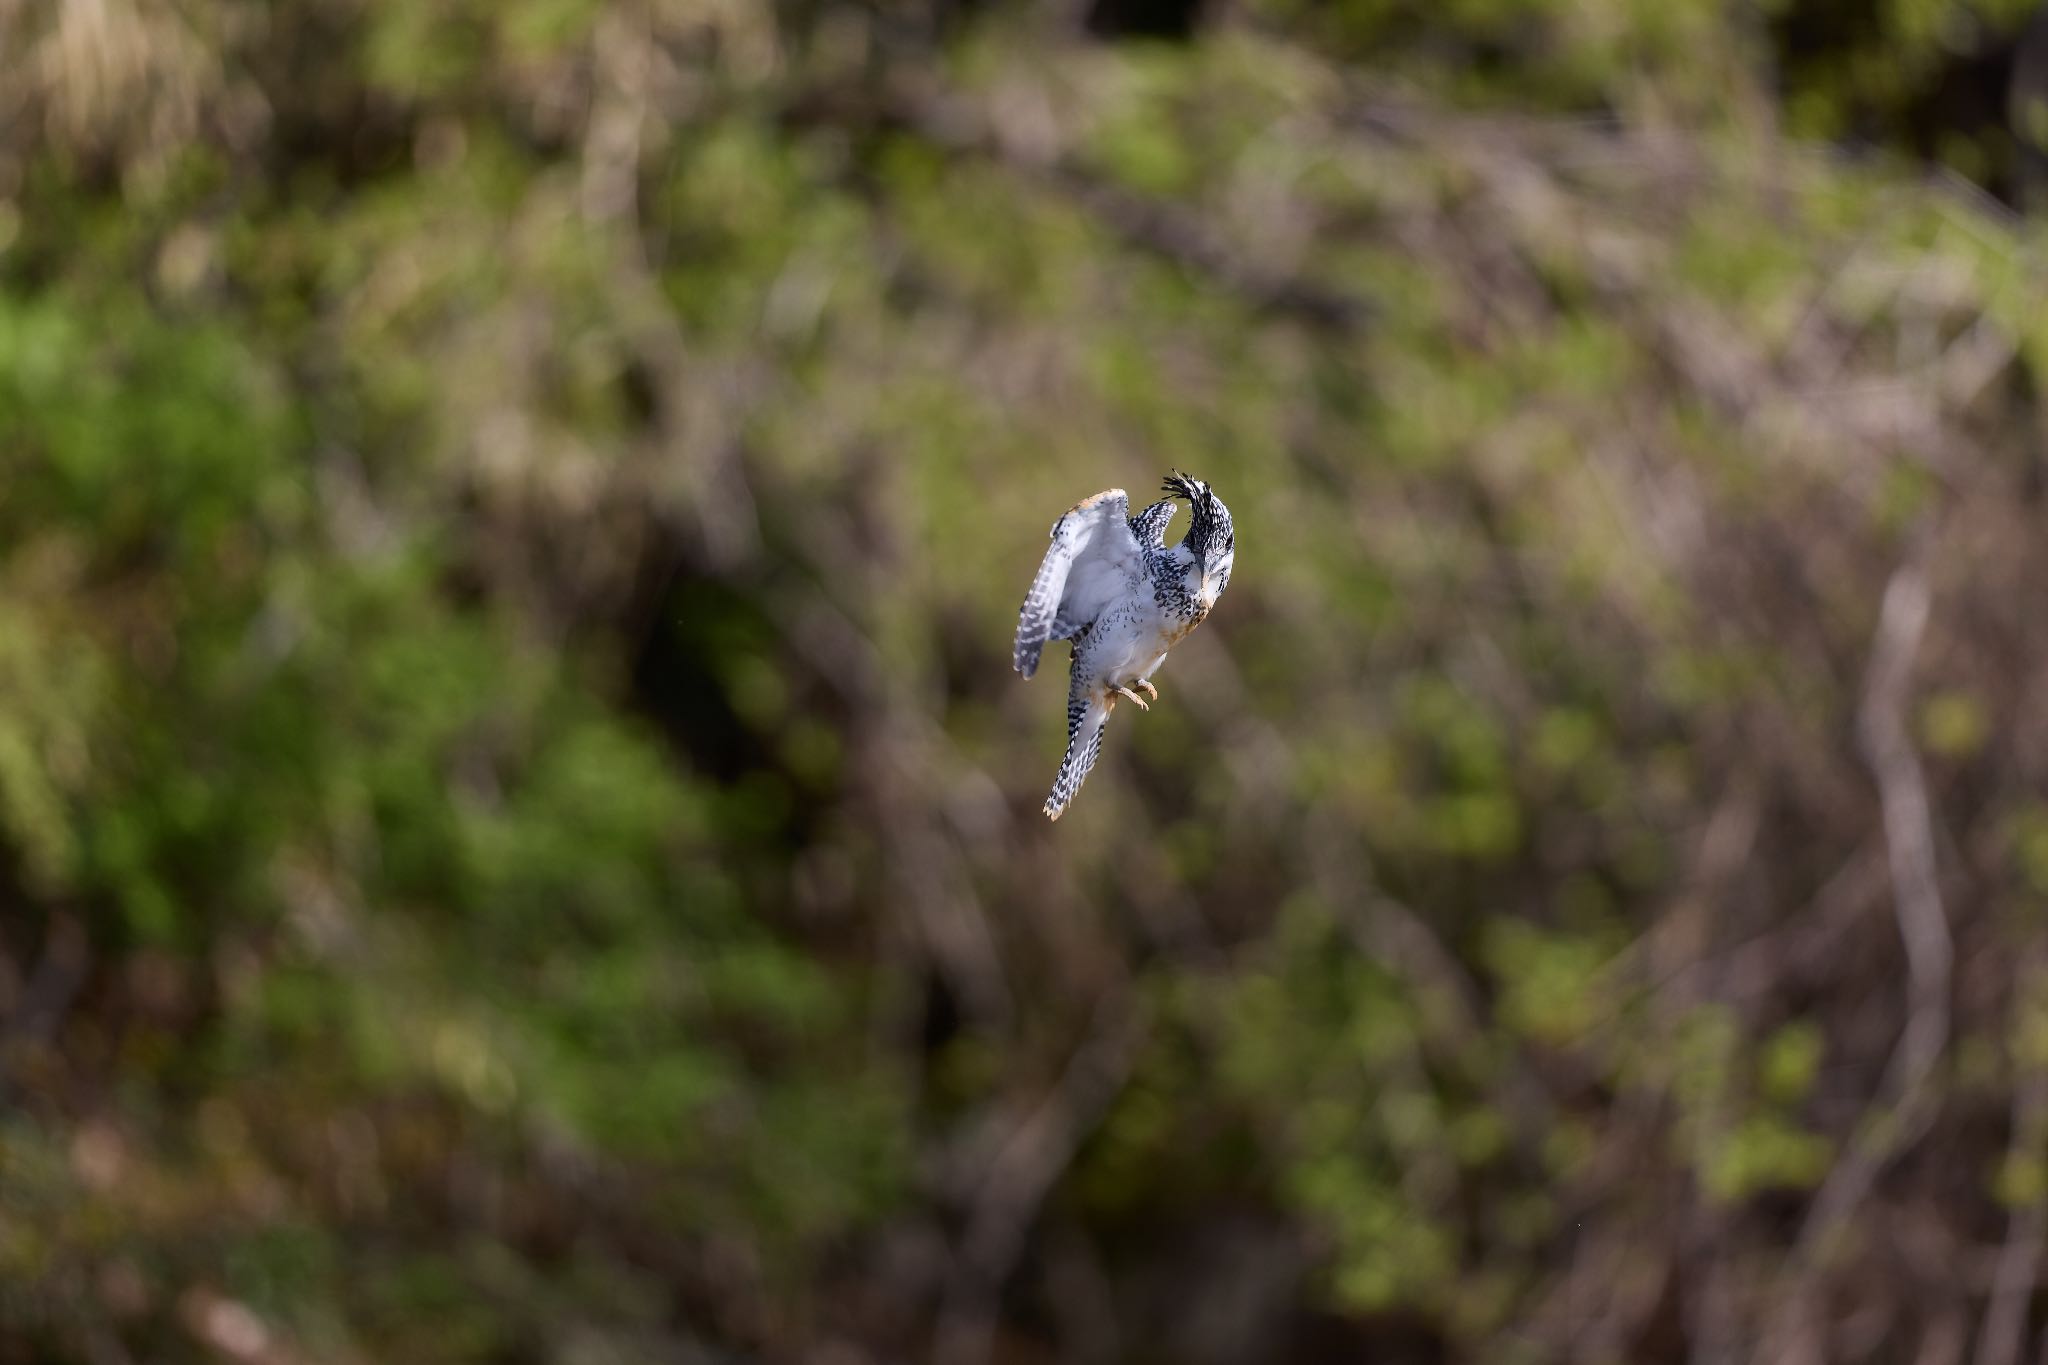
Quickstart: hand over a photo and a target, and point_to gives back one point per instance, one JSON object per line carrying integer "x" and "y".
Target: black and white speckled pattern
{"x": 1091, "y": 589}
{"x": 1210, "y": 546}
{"x": 1085, "y": 535}
{"x": 1149, "y": 526}
{"x": 1087, "y": 713}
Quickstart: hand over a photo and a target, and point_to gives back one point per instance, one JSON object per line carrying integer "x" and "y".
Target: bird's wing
{"x": 1093, "y": 560}
{"x": 1149, "y": 526}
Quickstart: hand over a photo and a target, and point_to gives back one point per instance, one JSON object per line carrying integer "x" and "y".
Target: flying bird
{"x": 1110, "y": 584}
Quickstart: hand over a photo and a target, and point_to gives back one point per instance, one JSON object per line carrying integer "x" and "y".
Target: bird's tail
{"x": 1087, "y": 713}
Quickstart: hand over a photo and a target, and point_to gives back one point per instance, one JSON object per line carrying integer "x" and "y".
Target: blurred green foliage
{"x": 520, "y": 838}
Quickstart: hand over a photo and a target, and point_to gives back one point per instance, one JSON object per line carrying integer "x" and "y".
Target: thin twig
{"x": 2019, "y": 1260}
{"x": 1902, "y": 1110}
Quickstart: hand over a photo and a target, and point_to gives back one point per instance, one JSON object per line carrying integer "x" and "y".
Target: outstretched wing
{"x": 1092, "y": 561}
{"x": 1149, "y": 526}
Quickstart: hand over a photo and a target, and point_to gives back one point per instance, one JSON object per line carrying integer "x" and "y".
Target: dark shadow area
{"x": 1166, "y": 20}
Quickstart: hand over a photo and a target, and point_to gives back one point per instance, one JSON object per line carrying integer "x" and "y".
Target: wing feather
{"x": 1093, "y": 560}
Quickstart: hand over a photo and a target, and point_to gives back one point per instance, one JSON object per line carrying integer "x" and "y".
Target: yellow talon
{"x": 1134, "y": 697}
{"x": 1150, "y": 690}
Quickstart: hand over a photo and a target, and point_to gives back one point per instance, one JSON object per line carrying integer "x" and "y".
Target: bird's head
{"x": 1211, "y": 540}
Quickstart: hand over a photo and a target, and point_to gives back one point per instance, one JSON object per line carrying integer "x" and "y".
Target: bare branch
{"x": 2019, "y": 1260}
{"x": 1901, "y": 1112}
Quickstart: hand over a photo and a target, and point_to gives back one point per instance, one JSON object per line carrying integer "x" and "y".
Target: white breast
{"x": 1129, "y": 645}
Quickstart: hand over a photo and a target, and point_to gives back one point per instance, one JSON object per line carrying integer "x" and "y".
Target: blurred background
{"x": 519, "y": 837}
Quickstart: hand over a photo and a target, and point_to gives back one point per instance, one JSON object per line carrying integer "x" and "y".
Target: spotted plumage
{"x": 1110, "y": 584}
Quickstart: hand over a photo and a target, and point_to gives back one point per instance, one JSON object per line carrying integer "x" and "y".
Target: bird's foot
{"x": 1125, "y": 691}
{"x": 1149, "y": 689}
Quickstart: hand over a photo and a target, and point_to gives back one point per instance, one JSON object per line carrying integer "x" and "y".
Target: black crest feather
{"x": 1182, "y": 486}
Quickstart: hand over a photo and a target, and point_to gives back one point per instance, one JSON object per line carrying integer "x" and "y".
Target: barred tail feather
{"x": 1086, "y": 716}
